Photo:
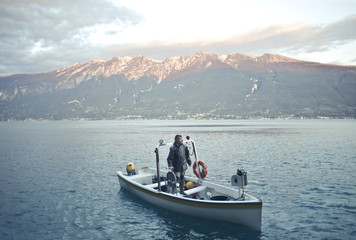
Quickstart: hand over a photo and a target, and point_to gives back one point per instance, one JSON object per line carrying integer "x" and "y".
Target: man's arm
{"x": 187, "y": 156}
{"x": 170, "y": 158}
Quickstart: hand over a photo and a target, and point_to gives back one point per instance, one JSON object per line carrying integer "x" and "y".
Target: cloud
{"x": 337, "y": 33}
{"x": 292, "y": 38}
{"x": 45, "y": 35}
{"x": 306, "y": 38}
{"x": 32, "y": 31}
{"x": 289, "y": 39}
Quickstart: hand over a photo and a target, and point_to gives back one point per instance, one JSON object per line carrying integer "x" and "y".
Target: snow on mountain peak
{"x": 222, "y": 58}
{"x": 140, "y": 66}
{"x": 270, "y": 57}
{"x": 120, "y": 59}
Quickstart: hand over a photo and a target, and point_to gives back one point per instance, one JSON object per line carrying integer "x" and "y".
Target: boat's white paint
{"x": 247, "y": 212}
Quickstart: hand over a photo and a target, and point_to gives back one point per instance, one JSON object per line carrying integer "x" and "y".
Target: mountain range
{"x": 200, "y": 86}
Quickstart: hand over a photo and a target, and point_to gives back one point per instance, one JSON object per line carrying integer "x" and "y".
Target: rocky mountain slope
{"x": 203, "y": 85}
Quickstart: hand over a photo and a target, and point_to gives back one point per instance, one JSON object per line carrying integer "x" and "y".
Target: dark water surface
{"x": 58, "y": 181}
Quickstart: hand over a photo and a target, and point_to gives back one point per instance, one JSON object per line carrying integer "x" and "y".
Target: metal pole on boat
{"x": 158, "y": 170}
{"x": 196, "y": 158}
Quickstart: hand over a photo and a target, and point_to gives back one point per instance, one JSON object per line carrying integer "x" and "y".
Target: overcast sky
{"x": 45, "y": 35}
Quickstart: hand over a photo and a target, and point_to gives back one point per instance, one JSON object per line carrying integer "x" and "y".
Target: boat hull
{"x": 246, "y": 213}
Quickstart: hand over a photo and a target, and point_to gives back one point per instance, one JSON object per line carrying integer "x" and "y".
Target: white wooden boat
{"x": 205, "y": 200}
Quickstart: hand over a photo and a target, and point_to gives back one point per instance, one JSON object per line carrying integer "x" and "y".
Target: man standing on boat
{"x": 178, "y": 158}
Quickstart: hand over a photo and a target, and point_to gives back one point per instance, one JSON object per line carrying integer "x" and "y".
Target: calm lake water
{"x": 58, "y": 179}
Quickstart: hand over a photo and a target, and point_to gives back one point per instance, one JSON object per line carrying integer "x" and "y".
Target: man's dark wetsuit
{"x": 178, "y": 158}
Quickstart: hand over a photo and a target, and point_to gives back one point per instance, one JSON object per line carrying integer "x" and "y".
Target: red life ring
{"x": 204, "y": 171}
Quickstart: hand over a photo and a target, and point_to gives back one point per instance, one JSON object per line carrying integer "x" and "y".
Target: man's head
{"x": 178, "y": 139}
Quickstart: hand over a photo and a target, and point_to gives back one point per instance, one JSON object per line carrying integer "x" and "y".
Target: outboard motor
{"x": 130, "y": 169}
{"x": 240, "y": 180}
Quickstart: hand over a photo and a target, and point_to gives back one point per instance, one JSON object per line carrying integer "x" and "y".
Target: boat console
{"x": 240, "y": 180}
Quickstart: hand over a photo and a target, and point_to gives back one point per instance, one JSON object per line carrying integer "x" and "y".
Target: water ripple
{"x": 57, "y": 179}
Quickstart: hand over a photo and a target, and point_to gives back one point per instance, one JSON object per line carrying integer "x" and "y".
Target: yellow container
{"x": 130, "y": 166}
{"x": 190, "y": 185}
{"x": 130, "y": 169}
